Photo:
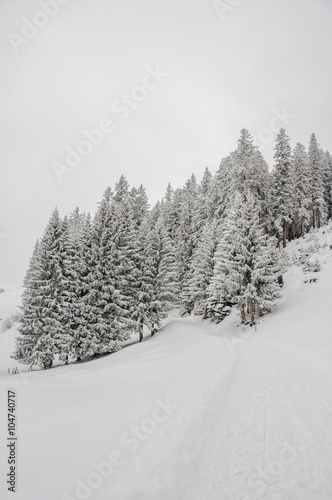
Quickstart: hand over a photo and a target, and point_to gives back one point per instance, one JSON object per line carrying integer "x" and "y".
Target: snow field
{"x": 249, "y": 414}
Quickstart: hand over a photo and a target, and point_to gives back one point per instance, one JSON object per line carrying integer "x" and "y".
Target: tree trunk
{"x": 318, "y": 218}
{"x": 250, "y": 311}
{"x": 140, "y": 331}
{"x": 313, "y": 219}
{"x": 205, "y": 314}
{"x": 284, "y": 234}
{"x": 302, "y": 227}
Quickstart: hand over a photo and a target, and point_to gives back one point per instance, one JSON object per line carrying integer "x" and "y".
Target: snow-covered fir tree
{"x": 116, "y": 271}
{"x": 170, "y": 210}
{"x": 204, "y": 203}
{"x": 317, "y": 177}
{"x": 187, "y": 233}
{"x": 84, "y": 334}
{"x": 282, "y": 185}
{"x": 194, "y": 297}
{"x": 247, "y": 264}
{"x": 139, "y": 206}
{"x": 222, "y": 187}
{"x": 157, "y": 285}
{"x": 166, "y": 268}
{"x": 327, "y": 158}
{"x": 244, "y": 169}
{"x": 32, "y": 300}
{"x": 42, "y": 328}
{"x": 76, "y": 242}
{"x": 301, "y": 190}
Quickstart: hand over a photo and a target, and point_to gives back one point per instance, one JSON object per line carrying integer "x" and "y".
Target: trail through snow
{"x": 248, "y": 414}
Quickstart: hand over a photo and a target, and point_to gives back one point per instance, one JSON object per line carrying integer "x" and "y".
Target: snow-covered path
{"x": 198, "y": 412}
{"x": 273, "y": 435}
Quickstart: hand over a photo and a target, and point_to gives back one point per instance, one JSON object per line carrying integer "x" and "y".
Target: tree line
{"x": 92, "y": 282}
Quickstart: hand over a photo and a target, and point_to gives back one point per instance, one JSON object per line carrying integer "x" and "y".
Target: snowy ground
{"x": 198, "y": 412}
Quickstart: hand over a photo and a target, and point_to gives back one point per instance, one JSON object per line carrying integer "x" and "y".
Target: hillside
{"x": 200, "y": 411}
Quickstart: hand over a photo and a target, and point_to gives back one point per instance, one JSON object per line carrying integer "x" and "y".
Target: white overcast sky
{"x": 225, "y": 73}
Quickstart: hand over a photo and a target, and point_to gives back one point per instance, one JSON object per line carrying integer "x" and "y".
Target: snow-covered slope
{"x": 200, "y": 411}
{"x": 9, "y": 310}
{"x": 9, "y": 314}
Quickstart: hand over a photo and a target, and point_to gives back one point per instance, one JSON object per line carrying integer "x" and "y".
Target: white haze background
{"x": 224, "y": 74}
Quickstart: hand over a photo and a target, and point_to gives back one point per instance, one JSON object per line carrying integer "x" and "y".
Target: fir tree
{"x": 31, "y": 325}
{"x": 316, "y": 167}
{"x": 119, "y": 251}
{"x": 108, "y": 296}
{"x": 204, "y": 203}
{"x": 168, "y": 210}
{"x": 166, "y": 268}
{"x": 187, "y": 233}
{"x": 139, "y": 206}
{"x": 301, "y": 186}
{"x": 327, "y": 158}
{"x": 244, "y": 169}
{"x": 223, "y": 187}
{"x": 202, "y": 265}
{"x": 42, "y": 324}
{"x": 76, "y": 269}
{"x": 247, "y": 264}
{"x": 282, "y": 185}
